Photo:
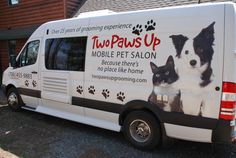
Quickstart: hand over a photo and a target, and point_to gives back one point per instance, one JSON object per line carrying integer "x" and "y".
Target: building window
{"x": 13, "y": 2}
{"x": 66, "y": 53}
{"x": 11, "y": 47}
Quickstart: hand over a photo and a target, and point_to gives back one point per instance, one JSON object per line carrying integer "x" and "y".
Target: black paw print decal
{"x": 79, "y": 89}
{"x": 150, "y": 25}
{"x": 91, "y": 90}
{"x": 121, "y": 96}
{"x": 105, "y": 93}
{"x": 26, "y": 83}
{"x": 137, "y": 29}
{"x": 34, "y": 83}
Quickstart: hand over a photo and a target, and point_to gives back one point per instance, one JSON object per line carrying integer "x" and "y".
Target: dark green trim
{"x": 166, "y": 117}
{"x": 17, "y": 33}
{"x": 99, "y": 105}
{"x": 29, "y": 92}
{"x": 189, "y": 120}
{"x": 222, "y": 131}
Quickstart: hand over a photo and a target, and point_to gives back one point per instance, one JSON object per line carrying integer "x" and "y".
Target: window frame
{"x": 12, "y": 47}
{"x": 25, "y": 50}
{"x": 11, "y": 4}
{"x": 81, "y": 67}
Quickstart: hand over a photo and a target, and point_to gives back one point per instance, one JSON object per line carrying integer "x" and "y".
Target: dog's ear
{"x": 207, "y": 34}
{"x": 153, "y": 67}
{"x": 210, "y": 32}
{"x": 212, "y": 25}
{"x": 170, "y": 61}
{"x": 210, "y": 29}
{"x": 178, "y": 41}
{"x": 203, "y": 43}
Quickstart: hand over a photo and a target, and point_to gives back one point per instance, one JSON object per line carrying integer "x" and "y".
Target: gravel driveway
{"x": 31, "y": 135}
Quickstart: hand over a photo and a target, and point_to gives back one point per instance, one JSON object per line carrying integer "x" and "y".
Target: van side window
{"x": 29, "y": 54}
{"x": 65, "y": 53}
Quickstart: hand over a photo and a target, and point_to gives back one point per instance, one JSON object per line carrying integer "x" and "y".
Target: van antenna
{"x": 199, "y": 1}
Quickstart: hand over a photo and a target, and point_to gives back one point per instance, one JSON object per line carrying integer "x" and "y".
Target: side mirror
{"x": 13, "y": 61}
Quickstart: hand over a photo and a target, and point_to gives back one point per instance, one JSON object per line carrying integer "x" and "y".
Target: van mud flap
{"x": 234, "y": 136}
{"x": 225, "y": 132}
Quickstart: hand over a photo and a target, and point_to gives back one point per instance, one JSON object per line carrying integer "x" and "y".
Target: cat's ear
{"x": 153, "y": 67}
{"x": 170, "y": 61}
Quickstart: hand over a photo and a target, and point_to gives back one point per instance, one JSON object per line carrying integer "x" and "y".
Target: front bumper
{"x": 3, "y": 99}
{"x": 3, "y": 89}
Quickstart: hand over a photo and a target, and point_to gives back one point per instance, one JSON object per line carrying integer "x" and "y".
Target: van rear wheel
{"x": 142, "y": 130}
{"x": 14, "y": 100}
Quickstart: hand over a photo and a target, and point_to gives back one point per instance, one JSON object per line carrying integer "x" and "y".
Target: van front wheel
{"x": 142, "y": 130}
{"x": 13, "y": 99}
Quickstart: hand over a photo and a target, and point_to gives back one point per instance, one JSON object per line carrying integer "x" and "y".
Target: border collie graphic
{"x": 191, "y": 68}
{"x": 199, "y": 51}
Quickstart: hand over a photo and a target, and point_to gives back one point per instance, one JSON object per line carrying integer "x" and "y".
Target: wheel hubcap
{"x": 140, "y": 130}
{"x": 12, "y": 99}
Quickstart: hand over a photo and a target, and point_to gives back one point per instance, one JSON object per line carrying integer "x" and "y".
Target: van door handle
{"x": 34, "y": 72}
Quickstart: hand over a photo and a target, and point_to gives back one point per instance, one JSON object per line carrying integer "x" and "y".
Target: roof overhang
{"x": 17, "y": 33}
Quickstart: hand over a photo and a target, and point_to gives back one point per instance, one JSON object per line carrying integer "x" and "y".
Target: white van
{"x": 150, "y": 73}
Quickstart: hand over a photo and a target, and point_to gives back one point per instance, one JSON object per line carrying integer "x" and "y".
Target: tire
{"x": 14, "y": 100}
{"x": 142, "y": 130}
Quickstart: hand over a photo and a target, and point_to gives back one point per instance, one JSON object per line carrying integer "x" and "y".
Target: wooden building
{"x": 19, "y": 18}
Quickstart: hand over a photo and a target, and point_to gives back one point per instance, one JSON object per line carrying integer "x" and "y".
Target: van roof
{"x": 104, "y": 13}
{"x": 95, "y": 13}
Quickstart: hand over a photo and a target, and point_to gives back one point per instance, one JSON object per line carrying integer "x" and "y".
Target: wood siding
{"x": 30, "y": 12}
{"x": 19, "y": 45}
{"x": 4, "y": 62}
{"x": 3, "y": 55}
